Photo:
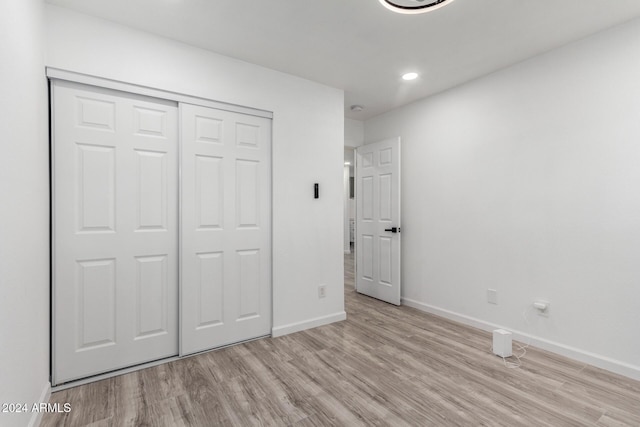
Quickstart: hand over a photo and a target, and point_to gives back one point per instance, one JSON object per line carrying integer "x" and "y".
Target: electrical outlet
{"x": 492, "y": 296}
{"x": 542, "y": 307}
{"x": 322, "y": 291}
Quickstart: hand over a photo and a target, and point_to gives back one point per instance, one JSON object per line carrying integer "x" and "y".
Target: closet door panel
{"x": 115, "y": 241}
{"x": 226, "y": 228}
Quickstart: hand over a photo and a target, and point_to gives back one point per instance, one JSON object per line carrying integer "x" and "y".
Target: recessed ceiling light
{"x": 414, "y": 6}
{"x": 347, "y": 163}
{"x": 357, "y": 108}
{"x": 410, "y": 76}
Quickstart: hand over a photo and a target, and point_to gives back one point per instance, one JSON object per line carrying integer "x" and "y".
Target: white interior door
{"x": 115, "y": 278}
{"x": 226, "y": 228}
{"x": 378, "y": 220}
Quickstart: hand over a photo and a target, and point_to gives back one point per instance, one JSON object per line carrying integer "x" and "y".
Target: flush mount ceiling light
{"x": 414, "y": 6}
{"x": 410, "y": 76}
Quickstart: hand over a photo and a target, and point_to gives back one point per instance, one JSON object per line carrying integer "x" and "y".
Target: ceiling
{"x": 363, "y": 48}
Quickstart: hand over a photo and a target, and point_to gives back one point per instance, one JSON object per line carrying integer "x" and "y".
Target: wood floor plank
{"x": 383, "y": 366}
{"x": 617, "y": 418}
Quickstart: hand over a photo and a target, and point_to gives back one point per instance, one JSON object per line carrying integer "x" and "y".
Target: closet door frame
{"x": 75, "y": 77}
{"x": 71, "y": 76}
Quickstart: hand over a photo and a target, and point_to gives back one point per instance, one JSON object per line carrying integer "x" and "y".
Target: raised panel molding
{"x": 209, "y": 130}
{"x": 96, "y": 305}
{"x": 385, "y": 156}
{"x": 249, "y": 283}
{"x": 210, "y": 289}
{"x": 150, "y": 122}
{"x": 367, "y": 160}
{"x": 96, "y": 114}
{"x": 209, "y": 200}
{"x": 247, "y": 135}
{"x": 367, "y": 250}
{"x": 385, "y": 263}
{"x": 384, "y": 199}
{"x": 151, "y": 295}
{"x": 152, "y": 190}
{"x": 247, "y": 194}
{"x": 367, "y": 198}
{"x": 96, "y": 188}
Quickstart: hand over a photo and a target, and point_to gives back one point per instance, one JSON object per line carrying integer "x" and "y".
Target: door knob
{"x": 393, "y": 229}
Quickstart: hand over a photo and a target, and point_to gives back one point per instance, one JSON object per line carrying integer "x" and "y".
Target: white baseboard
{"x": 36, "y": 417}
{"x": 307, "y": 324}
{"x": 616, "y": 366}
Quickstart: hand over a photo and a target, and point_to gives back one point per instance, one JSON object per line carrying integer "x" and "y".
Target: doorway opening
{"x": 349, "y": 200}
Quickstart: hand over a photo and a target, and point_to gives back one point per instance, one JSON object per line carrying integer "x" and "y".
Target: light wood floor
{"x": 384, "y": 365}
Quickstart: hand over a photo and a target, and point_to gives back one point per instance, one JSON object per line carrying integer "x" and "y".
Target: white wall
{"x": 528, "y": 181}
{"x": 307, "y": 145}
{"x": 24, "y": 209}
{"x": 353, "y": 133}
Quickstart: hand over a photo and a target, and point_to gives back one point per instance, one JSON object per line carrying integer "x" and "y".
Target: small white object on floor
{"x": 502, "y": 344}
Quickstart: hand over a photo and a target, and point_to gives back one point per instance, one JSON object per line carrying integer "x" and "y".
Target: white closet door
{"x": 115, "y": 230}
{"x": 226, "y": 228}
